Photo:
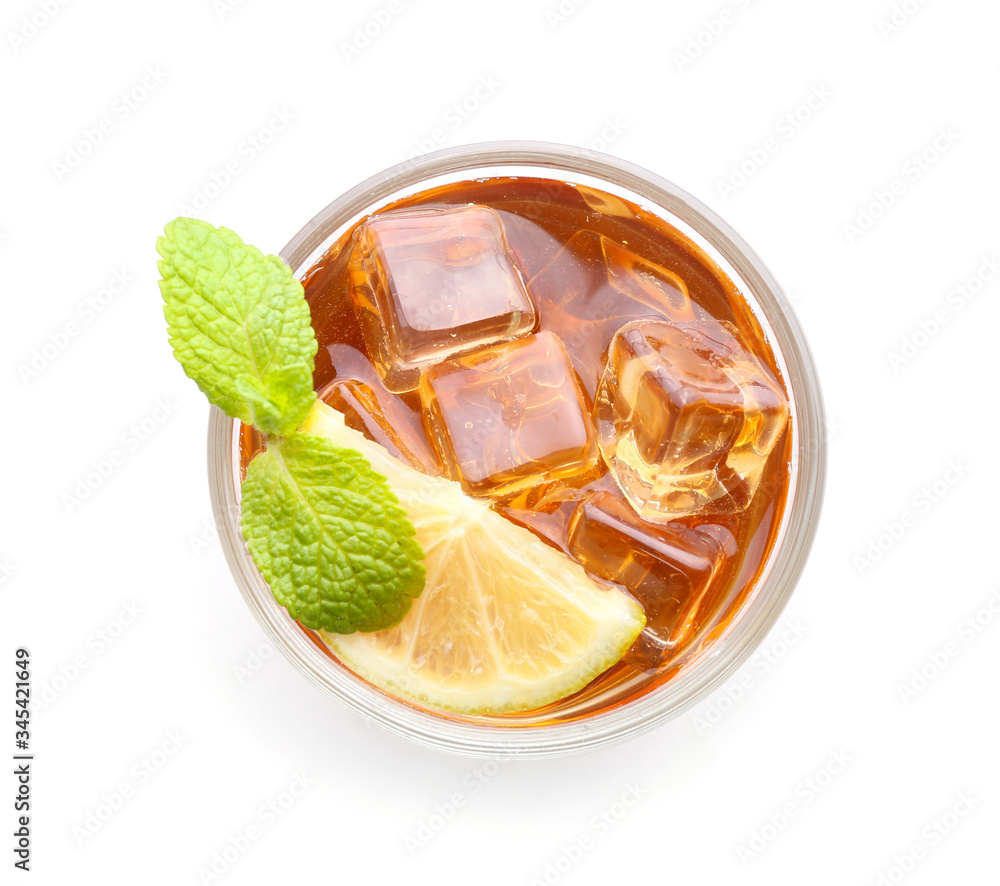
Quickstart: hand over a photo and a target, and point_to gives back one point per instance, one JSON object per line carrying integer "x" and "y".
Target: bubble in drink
{"x": 686, "y": 418}
{"x": 429, "y": 284}
{"x": 510, "y": 417}
{"x": 668, "y": 569}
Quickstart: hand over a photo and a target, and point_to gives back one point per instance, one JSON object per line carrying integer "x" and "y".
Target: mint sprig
{"x": 239, "y": 325}
{"x": 323, "y": 527}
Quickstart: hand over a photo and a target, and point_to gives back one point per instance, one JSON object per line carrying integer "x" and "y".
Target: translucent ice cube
{"x": 549, "y": 524}
{"x": 686, "y": 418}
{"x": 548, "y": 508}
{"x": 593, "y": 286}
{"x": 385, "y": 420}
{"x": 510, "y": 417}
{"x": 429, "y": 284}
{"x": 668, "y": 568}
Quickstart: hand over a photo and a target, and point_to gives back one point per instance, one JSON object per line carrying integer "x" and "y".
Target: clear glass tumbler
{"x": 576, "y": 730}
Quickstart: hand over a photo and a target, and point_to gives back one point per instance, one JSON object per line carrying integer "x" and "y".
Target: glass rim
{"x": 747, "y": 629}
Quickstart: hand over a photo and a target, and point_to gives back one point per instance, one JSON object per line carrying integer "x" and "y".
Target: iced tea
{"x": 588, "y": 370}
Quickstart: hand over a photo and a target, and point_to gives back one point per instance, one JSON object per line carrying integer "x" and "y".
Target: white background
{"x": 713, "y": 786}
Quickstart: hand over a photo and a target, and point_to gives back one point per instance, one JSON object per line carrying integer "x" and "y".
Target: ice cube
{"x": 385, "y": 420}
{"x": 510, "y": 417}
{"x": 686, "y": 418}
{"x": 547, "y": 509}
{"x": 593, "y": 286}
{"x": 429, "y": 284}
{"x": 669, "y": 568}
{"x": 550, "y": 524}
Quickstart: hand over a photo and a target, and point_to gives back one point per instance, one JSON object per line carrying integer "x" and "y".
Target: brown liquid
{"x": 560, "y": 236}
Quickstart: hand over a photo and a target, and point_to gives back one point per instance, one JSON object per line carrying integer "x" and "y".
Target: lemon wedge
{"x": 505, "y": 622}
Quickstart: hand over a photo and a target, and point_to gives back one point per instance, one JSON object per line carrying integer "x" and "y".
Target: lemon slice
{"x": 505, "y": 622}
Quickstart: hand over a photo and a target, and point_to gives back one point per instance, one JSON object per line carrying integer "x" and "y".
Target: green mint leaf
{"x": 329, "y": 536}
{"x": 239, "y": 325}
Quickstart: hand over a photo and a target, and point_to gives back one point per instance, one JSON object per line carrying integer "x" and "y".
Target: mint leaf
{"x": 329, "y": 536}
{"x": 239, "y": 325}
